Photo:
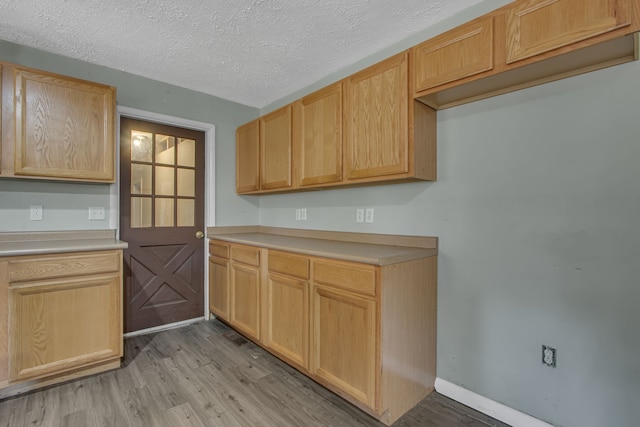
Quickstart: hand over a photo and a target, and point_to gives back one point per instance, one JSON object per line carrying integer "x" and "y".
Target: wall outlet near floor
{"x": 369, "y": 215}
{"x": 303, "y": 214}
{"x": 359, "y": 215}
{"x": 549, "y": 356}
{"x": 96, "y": 214}
{"x": 35, "y": 213}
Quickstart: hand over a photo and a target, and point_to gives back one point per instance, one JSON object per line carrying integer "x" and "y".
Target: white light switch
{"x": 369, "y": 215}
{"x": 359, "y": 215}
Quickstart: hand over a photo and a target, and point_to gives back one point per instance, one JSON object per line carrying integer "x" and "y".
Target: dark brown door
{"x": 162, "y": 220}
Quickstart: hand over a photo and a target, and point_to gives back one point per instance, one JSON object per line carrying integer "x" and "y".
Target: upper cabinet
{"x": 248, "y": 157}
{"x": 462, "y": 52}
{"x": 376, "y": 120}
{"x": 523, "y": 44}
{"x": 275, "y": 149}
{"x": 320, "y": 137}
{"x": 57, "y": 127}
{"x": 535, "y": 26}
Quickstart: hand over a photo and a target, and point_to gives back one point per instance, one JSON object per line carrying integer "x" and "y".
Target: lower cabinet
{"x": 286, "y": 308}
{"x": 366, "y": 332}
{"x": 64, "y": 317}
{"x": 219, "y": 294}
{"x": 245, "y": 290}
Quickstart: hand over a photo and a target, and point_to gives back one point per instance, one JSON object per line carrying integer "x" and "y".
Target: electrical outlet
{"x": 359, "y": 215}
{"x": 549, "y": 356}
{"x": 298, "y": 214}
{"x": 303, "y": 214}
{"x": 35, "y": 213}
{"x": 369, "y": 215}
{"x": 96, "y": 213}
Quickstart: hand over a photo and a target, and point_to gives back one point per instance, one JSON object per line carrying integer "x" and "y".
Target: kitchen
{"x": 535, "y": 208}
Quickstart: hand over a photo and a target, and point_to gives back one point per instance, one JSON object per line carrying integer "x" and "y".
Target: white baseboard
{"x": 162, "y": 327}
{"x": 487, "y": 406}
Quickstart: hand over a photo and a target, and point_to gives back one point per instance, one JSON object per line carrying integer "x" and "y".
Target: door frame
{"x": 209, "y": 184}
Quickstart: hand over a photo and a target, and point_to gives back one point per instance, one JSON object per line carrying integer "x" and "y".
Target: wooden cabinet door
{"x": 344, "y": 349}
{"x": 538, "y": 26}
{"x": 219, "y": 287}
{"x": 245, "y": 299}
{"x": 320, "y": 152}
{"x": 248, "y": 158}
{"x": 64, "y": 128}
{"x": 63, "y": 324}
{"x": 462, "y": 52}
{"x": 376, "y": 120}
{"x": 286, "y": 330}
{"x": 275, "y": 149}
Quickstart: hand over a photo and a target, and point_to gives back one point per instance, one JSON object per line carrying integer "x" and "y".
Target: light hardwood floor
{"x": 205, "y": 374}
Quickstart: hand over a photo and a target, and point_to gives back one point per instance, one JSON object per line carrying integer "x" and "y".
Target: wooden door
{"x": 219, "y": 287}
{"x": 320, "y": 121}
{"x": 245, "y": 299}
{"x": 162, "y": 219}
{"x": 248, "y": 158}
{"x": 538, "y": 26}
{"x": 63, "y": 324}
{"x": 462, "y": 52}
{"x": 377, "y": 120}
{"x": 275, "y": 149}
{"x": 344, "y": 342}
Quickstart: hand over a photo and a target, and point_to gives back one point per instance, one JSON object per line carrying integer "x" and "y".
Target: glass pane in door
{"x": 186, "y": 152}
{"x": 165, "y": 149}
{"x": 186, "y": 182}
{"x": 140, "y": 212}
{"x": 141, "y": 146}
{"x": 140, "y": 179}
{"x": 164, "y": 213}
{"x": 186, "y": 213}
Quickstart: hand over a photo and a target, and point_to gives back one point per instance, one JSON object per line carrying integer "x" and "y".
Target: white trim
{"x": 209, "y": 175}
{"x": 163, "y": 327}
{"x": 487, "y": 406}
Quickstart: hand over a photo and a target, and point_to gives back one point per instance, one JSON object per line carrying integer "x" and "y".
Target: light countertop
{"x": 368, "y": 251}
{"x": 49, "y": 242}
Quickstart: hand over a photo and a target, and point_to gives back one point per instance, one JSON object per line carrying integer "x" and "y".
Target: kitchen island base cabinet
{"x": 64, "y": 318}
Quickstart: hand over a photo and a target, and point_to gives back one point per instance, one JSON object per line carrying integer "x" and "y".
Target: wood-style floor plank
{"x": 205, "y": 375}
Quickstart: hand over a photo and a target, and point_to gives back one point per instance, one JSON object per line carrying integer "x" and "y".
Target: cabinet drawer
{"x": 354, "y": 277}
{"x": 289, "y": 265}
{"x": 246, "y": 255}
{"x": 66, "y": 265}
{"x": 219, "y": 249}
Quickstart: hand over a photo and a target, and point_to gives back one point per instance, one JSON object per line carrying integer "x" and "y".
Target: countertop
{"x": 49, "y": 242}
{"x": 371, "y": 249}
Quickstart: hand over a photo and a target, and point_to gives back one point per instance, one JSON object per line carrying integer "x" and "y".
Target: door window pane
{"x": 186, "y": 182}
{"x": 141, "y": 146}
{"x": 164, "y": 181}
{"x": 186, "y": 213}
{"x": 186, "y": 152}
{"x": 164, "y": 212}
{"x": 165, "y": 149}
{"x": 140, "y": 179}
{"x": 140, "y": 212}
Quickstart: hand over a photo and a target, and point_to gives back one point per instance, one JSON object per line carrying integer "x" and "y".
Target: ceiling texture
{"x": 248, "y": 51}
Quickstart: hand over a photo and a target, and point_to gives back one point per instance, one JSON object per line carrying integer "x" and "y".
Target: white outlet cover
{"x": 35, "y": 213}
{"x": 369, "y": 215}
{"x": 96, "y": 213}
{"x": 359, "y": 215}
{"x": 303, "y": 214}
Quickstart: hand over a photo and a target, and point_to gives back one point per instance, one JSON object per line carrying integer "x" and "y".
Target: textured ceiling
{"x": 249, "y": 51}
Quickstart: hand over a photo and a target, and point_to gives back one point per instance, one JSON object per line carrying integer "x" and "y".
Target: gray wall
{"x": 537, "y": 206}
{"x": 66, "y": 204}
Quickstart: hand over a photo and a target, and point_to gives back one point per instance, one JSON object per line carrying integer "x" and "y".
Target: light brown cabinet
{"x": 538, "y": 26}
{"x": 345, "y": 317}
{"x": 462, "y": 52}
{"x": 245, "y": 290}
{"x": 286, "y": 308}
{"x": 56, "y": 127}
{"x": 64, "y": 316}
{"x": 320, "y": 137}
{"x": 219, "y": 275}
{"x": 356, "y": 328}
{"x": 248, "y": 158}
{"x": 275, "y": 149}
{"x": 523, "y": 44}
